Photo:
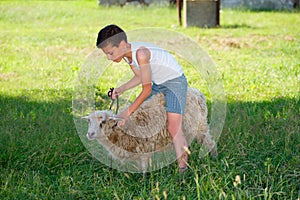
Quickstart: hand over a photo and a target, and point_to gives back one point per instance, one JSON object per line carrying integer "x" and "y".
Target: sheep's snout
{"x": 90, "y": 135}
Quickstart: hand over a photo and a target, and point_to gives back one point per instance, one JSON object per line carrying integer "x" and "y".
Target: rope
{"x": 109, "y": 94}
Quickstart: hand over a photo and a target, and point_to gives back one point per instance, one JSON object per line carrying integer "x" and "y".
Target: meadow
{"x": 43, "y": 45}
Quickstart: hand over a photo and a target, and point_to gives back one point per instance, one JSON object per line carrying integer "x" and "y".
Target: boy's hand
{"x": 116, "y": 92}
{"x": 122, "y": 122}
{"x": 123, "y": 116}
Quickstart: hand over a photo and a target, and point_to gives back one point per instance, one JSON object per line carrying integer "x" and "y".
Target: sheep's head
{"x": 96, "y": 121}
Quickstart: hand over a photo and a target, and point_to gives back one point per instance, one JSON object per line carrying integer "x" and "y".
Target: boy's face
{"x": 114, "y": 53}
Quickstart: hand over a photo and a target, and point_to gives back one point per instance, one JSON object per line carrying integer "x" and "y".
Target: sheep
{"x": 145, "y": 131}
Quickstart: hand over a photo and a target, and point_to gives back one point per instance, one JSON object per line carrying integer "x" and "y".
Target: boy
{"x": 157, "y": 71}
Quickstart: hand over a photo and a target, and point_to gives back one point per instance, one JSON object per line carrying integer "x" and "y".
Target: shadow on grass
{"x": 41, "y": 154}
{"x": 37, "y": 133}
{"x": 263, "y": 129}
{"x": 236, "y": 26}
{"x": 266, "y": 9}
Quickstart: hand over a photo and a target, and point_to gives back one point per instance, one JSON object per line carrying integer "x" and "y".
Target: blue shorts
{"x": 175, "y": 93}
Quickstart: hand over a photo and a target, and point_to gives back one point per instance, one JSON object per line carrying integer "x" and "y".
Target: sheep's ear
{"x": 115, "y": 118}
{"x": 103, "y": 120}
{"x": 107, "y": 116}
{"x": 86, "y": 118}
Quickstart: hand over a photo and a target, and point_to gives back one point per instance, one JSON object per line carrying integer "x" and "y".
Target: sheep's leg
{"x": 211, "y": 145}
{"x": 143, "y": 164}
{"x": 208, "y": 142}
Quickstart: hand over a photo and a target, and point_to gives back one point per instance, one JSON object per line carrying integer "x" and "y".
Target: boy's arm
{"x": 144, "y": 75}
{"x": 135, "y": 81}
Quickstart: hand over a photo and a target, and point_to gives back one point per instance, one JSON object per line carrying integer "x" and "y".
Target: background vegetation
{"x": 42, "y": 47}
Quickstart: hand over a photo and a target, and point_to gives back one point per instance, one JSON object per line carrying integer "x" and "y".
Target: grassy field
{"x": 43, "y": 45}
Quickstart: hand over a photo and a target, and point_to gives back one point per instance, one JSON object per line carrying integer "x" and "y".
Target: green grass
{"x": 43, "y": 45}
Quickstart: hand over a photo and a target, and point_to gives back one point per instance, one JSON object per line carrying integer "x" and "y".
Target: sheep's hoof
{"x": 146, "y": 175}
{"x": 214, "y": 152}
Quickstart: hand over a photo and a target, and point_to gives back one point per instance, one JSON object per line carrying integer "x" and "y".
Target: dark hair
{"x": 111, "y": 34}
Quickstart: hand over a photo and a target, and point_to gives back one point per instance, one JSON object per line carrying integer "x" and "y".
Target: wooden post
{"x": 179, "y": 7}
{"x": 296, "y": 3}
{"x": 202, "y": 13}
{"x": 218, "y": 12}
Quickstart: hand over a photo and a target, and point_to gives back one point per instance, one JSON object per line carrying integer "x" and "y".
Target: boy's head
{"x": 111, "y": 34}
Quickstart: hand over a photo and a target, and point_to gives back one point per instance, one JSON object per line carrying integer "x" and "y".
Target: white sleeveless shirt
{"x": 163, "y": 65}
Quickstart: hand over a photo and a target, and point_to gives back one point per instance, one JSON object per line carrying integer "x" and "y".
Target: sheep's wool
{"x": 149, "y": 121}
{"x": 151, "y": 117}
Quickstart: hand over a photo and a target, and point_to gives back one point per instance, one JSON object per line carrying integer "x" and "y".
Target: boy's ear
{"x": 123, "y": 43}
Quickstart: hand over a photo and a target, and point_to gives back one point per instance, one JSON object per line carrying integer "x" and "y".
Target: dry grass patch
{"x": 252, "y": 41}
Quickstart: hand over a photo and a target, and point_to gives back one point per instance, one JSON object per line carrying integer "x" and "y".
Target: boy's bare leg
{"x": 179, "y": 141}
